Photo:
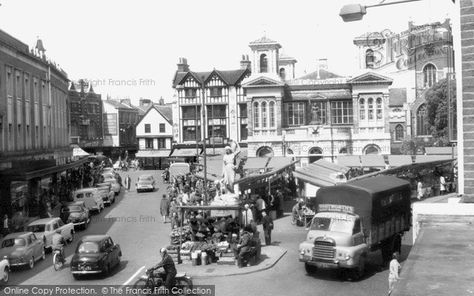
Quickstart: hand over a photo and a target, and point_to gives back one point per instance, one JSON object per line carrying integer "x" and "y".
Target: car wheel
{"x": 31, "y": 263}
{"x": 43, "y": 255}
{"x": 6, "y": 274}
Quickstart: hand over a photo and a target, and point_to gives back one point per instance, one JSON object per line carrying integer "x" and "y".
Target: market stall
{"x": 209, "y": 236}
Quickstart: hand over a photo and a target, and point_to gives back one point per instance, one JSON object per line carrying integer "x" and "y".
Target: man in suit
{"x": 267, "y": 224}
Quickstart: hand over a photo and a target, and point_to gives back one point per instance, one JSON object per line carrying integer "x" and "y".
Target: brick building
{"x": 86, "y": 116}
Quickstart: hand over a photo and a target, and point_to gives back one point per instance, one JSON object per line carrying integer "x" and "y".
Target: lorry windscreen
{"x": 333, "y": 224}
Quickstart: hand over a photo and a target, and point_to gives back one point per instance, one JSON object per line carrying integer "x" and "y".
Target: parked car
{"x": 95, "y": 254}
{"x": 22, "y": 249}
{"x": 76, "y": 213}
{"x": 108, "y": 195}
{"x": 45, "y": 228}
{"x": 4, "y": 270}
{"x": 116, "y": 187}
{"x": 92, "y": 198}
{"x": 145, "y": 183}
{"x": 108, "y": 176}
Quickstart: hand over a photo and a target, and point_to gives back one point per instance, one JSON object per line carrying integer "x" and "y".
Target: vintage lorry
{"x": 356, "y": 218}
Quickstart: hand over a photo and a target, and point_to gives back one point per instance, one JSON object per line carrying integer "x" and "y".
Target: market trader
{"x": 168, "y": 265}
{"x": 243, "y": 247}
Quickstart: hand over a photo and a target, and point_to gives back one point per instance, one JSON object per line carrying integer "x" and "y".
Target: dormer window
{"x": 263, "y": 63}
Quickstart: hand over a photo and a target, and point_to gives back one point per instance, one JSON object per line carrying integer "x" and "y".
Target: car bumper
{"x": 18, "y": 264}
{"x": 86, "y": 271}
{"x": 145, "y": 189}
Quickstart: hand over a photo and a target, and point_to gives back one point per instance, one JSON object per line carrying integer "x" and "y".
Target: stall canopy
{"x": 78, "y": 152}
{"x": 321, "y": 173}
{"x": 431, "y": 158}
{"x": 153, "y": 153}
{"x": 255, "y": 163}
{"x": 214, "y": 151}
{"x": 399, "y": 160}
{"x": 372, "y": 161}
{"x": 184, "y": 152}
{"x": 349, "y": 161}
{"x": 441, "y": 151}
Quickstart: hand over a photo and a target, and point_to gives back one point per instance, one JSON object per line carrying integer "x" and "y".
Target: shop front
{"x": 154, "y": 159}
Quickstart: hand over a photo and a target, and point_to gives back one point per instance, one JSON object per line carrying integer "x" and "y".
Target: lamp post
{"x": 355, "y": 12}
{"x": 203, "y": 104}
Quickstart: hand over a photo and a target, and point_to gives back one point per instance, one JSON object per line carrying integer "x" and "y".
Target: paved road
{"x": 134, "y": 222}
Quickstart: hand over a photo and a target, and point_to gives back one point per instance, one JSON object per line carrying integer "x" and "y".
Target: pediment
{"x": 370, "y": 77}
{"x": 263, "y": 81}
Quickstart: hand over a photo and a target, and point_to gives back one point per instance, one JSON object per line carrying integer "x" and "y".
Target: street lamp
{"x": 355, "y": 12}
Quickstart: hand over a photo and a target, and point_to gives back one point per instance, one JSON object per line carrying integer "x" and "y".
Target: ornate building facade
{"x": 320, "y": 115}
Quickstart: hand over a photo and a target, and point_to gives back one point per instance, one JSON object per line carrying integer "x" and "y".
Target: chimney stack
{"x": 245, "y": 62}
{"x": 183, "y": 65}
{"x": 322, "y": 64}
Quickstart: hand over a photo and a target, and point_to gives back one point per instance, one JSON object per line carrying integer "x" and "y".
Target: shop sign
{"x": 336, "y": 208}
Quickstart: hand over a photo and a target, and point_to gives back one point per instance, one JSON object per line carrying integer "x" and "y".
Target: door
{"x": 37, "y": 247}
{"x": 29, "y": 250}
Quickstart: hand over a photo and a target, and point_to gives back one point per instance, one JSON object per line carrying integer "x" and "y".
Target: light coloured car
{"x": 145, "y": 183}
{"x": 45, "y": 228}
{"x": 115, "y": 185}
{"x": 4, "y": 270}
{"x": 22, "y": 249}
{"x": 108, "y": 195}
{"x": 92, "y": 198}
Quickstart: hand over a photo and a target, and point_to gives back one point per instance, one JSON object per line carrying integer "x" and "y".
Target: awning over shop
{"x": 441, "y": 151}
{"x": 321, "y": 173}
{"x": 399, "y": 160}
{"x": 372, "y": 161}
{"x": 431, "y": 158}
{"x": 153, "y": 153}
{"x": 184, "y": 152}
{"x": 349, "y": 161}
{"x": 25, "y": 175}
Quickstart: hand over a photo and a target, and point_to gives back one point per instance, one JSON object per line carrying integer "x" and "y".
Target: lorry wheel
{"x": 309, "y": 268}
{"x": 360, "y": 270}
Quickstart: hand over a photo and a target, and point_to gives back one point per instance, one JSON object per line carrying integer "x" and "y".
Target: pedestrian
{"x": 247, "y": 215}
{"x": 125, "y": 183}
{"x": 442, "y": 185}
{"x": 128, "y": 182}
{"x": 394, "y": 272}
{"x": 267, "y": 224}
{"x": 6, "y": 225}
{"x": 261, "y": 206}
{"x": 419, "y": 190}
{"x": 165, "y": 208}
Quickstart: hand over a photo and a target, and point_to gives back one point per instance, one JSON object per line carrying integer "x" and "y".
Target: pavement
{"x": 270, "y": 256}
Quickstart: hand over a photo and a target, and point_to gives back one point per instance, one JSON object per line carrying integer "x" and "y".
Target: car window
{"x": 88, "y": 247}
{"x": 60, "y": 223}
{"x": 19, "y": 242}
{"x": 55, "y": 226}
{"x": 36, "y": 228}
{"x": 33, "y": 237}
{"x": 28, "y": 240}
{"x": 80, "y": 195}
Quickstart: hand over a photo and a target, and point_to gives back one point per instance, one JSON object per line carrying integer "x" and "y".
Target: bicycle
{"x": 58, "y": 260}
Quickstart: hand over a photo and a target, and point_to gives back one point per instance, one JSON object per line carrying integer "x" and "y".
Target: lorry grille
{"x": 324, "y": 250}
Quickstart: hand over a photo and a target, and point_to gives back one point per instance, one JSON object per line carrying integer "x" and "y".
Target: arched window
{"x": 399, "y": 132}
{"x": 315, "y": 153}
{"x": 370, "y": 107}
{"x": 379, "y": 108}
{"x": 256, "y": 115}
{"x": 362, "y": 109}
{"x": 369, "y": 58}
{"x": 271, "y": 111}
{"x": 429, "y": 75}
{"x": 343, "y": 150}
{"x": 282, "y": 73}
{"x": 372, "y": 149}
{"x": 422, "y": 127}
{"x": 263, "y": 63}
{"x": 265, "y": 151}
{"x": 263, "y": 107}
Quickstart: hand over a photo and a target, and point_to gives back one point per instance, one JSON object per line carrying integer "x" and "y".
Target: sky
{"x": 129, "y": 49}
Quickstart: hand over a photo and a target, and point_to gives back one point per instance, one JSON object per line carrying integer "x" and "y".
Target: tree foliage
{"x": 437, "y": 110}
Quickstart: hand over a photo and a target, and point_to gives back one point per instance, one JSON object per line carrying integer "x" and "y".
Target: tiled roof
{"x": 323, "y": 74}
{"x": 231, "y": 77}
{"x": 165, "y": 110}
{"x": 117, "y": 104}
{"x": 398, "y": 96}
{"x": 263, "y": 40}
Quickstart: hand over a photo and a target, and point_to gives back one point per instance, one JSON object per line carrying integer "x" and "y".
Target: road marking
{"x": 133, "y": 276}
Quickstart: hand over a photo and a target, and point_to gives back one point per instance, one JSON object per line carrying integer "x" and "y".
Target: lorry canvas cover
{"x": 375, "y": 199}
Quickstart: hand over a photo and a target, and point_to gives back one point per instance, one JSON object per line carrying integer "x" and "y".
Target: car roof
{"x": 74, "y": 203}
{"x": 43, "y": 221}
{"x": 94, "y": 238}
{"x": 18, "y": 234}
{"x": 88, "y": 189}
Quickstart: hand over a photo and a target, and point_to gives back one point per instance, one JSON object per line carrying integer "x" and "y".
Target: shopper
{"x": 247, "y": 215}
{"x": 442, "y": 185}
{"x": 6, "y": 225}
{"x": 267, "y": 224}
{"x": 165, "y": 208}
{"x": 419, "y": 190}
{"x": 394, "y": 272}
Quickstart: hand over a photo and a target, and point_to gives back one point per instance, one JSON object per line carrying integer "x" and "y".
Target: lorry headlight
{"x": 341, "y": 255}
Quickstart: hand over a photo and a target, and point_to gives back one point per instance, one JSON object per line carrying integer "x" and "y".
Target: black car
{"x": 77, "y": 213}
{"x": 95, "y": 254}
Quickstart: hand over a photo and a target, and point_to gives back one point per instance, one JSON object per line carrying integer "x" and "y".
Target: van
{"x": 92, "y": 198}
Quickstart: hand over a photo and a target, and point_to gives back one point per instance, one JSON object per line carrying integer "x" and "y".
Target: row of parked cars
{"x": 21, "y": 249}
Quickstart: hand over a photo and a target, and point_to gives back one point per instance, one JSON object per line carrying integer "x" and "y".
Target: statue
{"x": 315, "y": 114}
{"x": 229, "y": 165}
